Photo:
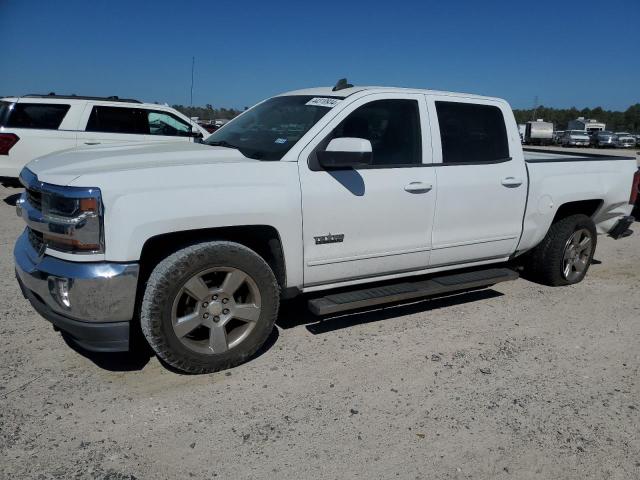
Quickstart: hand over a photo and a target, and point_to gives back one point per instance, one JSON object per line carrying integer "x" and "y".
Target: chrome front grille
{"x": 34, "y": 197}
{"x": 35, "y": 239}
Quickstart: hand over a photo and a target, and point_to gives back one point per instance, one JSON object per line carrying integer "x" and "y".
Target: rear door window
{"x": 118, "y": 120}
{"x": 472, "y": 133}
{"x": 44, "y": 116}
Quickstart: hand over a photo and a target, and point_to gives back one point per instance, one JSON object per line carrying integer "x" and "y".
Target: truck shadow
{"x": 11, "y": 183}
{"x": 141, "y": 353}
{"x": 270, "y": 342}
{"x": 131, "y": 361}
{"x": 294, "y": 313}
{"x": 11, "y": 200}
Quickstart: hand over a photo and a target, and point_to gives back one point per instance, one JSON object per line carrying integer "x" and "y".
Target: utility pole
{"x": 193, "y": 63}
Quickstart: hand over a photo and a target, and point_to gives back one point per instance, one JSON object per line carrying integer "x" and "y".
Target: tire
{"x": 547, "y": 262}
{"x": 188, "y": 330}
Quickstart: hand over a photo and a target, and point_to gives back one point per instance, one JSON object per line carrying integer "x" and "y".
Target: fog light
{"x": 59, "y": 288}
{"x": 19, "y": 205}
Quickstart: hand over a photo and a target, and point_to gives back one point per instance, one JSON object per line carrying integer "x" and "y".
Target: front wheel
{"x": 565, "y": 254}
{"x": 209, "y": 306}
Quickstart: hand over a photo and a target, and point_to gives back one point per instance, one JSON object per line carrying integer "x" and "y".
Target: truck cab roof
{"x": 346, "y": 92}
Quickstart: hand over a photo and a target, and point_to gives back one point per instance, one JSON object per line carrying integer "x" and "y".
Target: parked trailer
{"x": 589, "y": 124}
{"x": 538, "y": 133}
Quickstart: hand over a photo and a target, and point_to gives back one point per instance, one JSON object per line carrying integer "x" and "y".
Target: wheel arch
{"x": 265, "y": 240}
{"x": 586, "y": 207}
{"x": 535, "y": 228}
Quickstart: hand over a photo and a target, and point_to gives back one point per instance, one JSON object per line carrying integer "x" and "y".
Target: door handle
{"x": 418, "y": 187}
{"x": 90, "y": 142}
{"x": 511, "y": 182}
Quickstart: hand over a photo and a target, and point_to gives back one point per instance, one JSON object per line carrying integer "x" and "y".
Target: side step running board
{"x": 340, "y": 302}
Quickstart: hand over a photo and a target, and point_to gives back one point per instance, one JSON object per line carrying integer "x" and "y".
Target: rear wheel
{"x": 209, "y": 306}
{"x": 565, "y": 254}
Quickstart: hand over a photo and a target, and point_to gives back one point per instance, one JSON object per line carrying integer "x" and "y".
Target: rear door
{"x": 482, "y": 180}
{"x": 105, "y": 124}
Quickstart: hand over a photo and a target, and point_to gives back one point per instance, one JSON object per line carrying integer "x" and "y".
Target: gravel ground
{"x": 518, "y": 381}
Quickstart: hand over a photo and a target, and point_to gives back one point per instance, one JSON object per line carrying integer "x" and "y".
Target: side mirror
{"x": 346, "y": 152}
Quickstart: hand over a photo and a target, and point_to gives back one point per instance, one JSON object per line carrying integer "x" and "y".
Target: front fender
{"x": 142, "y": 204}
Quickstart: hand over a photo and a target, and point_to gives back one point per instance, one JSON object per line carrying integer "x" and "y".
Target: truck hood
{"x": 62, "y": 168}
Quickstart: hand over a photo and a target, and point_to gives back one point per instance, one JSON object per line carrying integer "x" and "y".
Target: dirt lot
{"x": 518, "y": 381}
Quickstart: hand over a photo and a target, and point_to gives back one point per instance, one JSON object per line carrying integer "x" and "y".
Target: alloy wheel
{"x": 216, "y": 310}
{"x": 577, "y": 254}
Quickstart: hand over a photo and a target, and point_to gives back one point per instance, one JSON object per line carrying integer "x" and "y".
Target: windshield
{"x": 272, "y": 128}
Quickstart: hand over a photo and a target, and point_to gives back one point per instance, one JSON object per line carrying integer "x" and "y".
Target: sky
{"x": 565, "y": 53}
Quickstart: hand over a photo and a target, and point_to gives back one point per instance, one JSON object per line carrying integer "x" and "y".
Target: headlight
{"x": 70, "y": 219}
{"x": 75, "y": 224}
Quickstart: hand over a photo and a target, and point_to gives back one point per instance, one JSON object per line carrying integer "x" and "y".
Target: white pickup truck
{"x": 352, "y": 196}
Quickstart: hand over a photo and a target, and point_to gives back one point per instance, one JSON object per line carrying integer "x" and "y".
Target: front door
{"x": 482, "y": 181}
{"x": 165, "y": 126}
{"x": 371, "y": 221}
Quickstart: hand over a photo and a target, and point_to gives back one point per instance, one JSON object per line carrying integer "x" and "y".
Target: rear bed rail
{"x": 554, "y": 156}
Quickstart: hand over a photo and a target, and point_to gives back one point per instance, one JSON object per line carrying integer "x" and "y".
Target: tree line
{"x": 629, "y": 120}
{"x": 208, "y": 112}
{"x": 616, "y": 121}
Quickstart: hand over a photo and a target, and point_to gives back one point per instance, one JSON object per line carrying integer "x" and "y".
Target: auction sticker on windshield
{"x": 323, "y": 102}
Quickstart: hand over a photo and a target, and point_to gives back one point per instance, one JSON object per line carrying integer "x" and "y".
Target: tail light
{"x": 7, "y": 141}
{"x": 635, "y": 188}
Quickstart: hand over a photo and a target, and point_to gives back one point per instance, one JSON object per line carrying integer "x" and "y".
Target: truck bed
{"x": 533, "y": 155}
{"x": 559, "y": 178}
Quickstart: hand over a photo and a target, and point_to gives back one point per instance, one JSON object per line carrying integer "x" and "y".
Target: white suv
{"x": 35, "y": 125}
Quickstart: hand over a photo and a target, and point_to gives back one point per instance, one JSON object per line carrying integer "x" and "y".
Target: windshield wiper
{"x": 222, "y": 143}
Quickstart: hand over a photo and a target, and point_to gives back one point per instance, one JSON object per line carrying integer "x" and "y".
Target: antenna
{"x": 193, "y": 63}
{"x": 341, "y": 85}
{"x": 535, "y": 108}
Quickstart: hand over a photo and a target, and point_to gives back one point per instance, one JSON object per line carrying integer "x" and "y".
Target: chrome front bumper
{"x": 86, "y": 299}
